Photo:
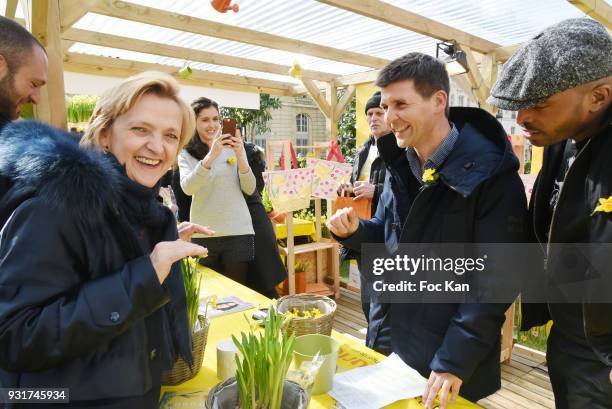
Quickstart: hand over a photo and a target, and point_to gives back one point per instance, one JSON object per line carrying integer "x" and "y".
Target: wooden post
{"x": 290, "y": 253}
{"x": 45, "y": 26}
{"x": 331, "y": 125}
{"x": 319, "y": 253}
{"x": 507, "y": 341}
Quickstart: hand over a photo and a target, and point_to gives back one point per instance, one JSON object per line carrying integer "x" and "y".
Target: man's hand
{"x": 344, "y": 222}
{"x": 363, "y": 190}
{"x": 186, "y": 230}
{"x": 444, "y": 383}
{"x": 345, "y": 190}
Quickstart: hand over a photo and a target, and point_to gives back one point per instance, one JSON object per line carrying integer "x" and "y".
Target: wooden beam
{"x": 475, "y": 77}
{"x": 331, "y": 125}
{"x": 10, "y": 8}
{"x": 72, "y": 11}
{"x": 318, "y": 97}
{"x": 503, "y": 54}
{"x": 359, "y": 78}
{"x": 161, "y": 18}
{"x": 599, "y": 10}
{"x": 489, "y": 69}
{"x": 348, "y": 96}
{"x": 46, "y": 27}
{"x": 90, "y": 64}
{"x": 400, "y": 17}
{"x": 40, "y": 14}
{"x": 66, "y": 46}
{"x": 147, "y": 47}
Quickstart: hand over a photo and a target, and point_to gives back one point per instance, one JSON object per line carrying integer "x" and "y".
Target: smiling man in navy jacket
{"x": 478, "y": 197}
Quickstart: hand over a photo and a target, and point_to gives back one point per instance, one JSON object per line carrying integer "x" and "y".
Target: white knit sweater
{"x": 217, "y": 199}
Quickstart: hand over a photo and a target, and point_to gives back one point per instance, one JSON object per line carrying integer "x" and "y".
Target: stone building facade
{"x": 299, "y": 120}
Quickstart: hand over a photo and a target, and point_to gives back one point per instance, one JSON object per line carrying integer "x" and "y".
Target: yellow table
{"x": 224, "y": 326}
{"x": 300, "y": 228}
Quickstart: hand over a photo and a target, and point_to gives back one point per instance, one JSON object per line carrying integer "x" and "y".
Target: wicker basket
{"x": 303, "y": 326}
{"x": 181, "y": 371}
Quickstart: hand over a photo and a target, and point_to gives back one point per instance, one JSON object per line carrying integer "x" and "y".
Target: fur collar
{"x": 46, "y": 162}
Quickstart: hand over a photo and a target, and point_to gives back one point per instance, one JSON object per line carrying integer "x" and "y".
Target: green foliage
{"x": 27, "y": 112}
{"x": 527, "y": 167}
{"x": 254, "y": 120}
{"x": 309, "y": 214}
{"x": 265, "y": 199}
{"x": 299, "y": 267}
{"x": 347, "y": 131}
{"x": 80, "y": 108}
{"x": 535, "y": 337}
{"x": 265, "y": 360}
{"x": 192, "y": 277}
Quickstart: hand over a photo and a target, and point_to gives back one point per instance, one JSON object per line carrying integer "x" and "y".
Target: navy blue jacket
{"x": 479, "y": 198}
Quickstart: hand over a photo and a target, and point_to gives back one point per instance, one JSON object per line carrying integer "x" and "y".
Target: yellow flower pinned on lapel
{"x": 605, "y": 206}
{"x": 231, "y": 160}
{"x": 430, "y": 176}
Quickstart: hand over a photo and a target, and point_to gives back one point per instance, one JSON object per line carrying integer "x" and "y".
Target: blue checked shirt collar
{"x": 436, "y": 159}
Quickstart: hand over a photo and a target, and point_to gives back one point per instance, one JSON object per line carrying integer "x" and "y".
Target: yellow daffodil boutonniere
{"x": 430, "y": 176}
{"x": 605, "y": 206}
{"x": 231, "y": 160}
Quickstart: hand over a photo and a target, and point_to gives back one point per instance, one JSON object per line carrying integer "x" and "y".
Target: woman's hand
{"x": 235, "y": 143}
{"x": 166, "y": 253}
{"x": 215, "y": 149}
{"x": 186, "y": 230}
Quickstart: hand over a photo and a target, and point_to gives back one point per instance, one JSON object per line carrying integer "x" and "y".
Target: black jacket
{"x": 81, "y": 306}
{"x": 479, "y": 198}
{"x": 377, "y": 170}
{"x": 588, "y": 179}
{"x": 267, "y": 269}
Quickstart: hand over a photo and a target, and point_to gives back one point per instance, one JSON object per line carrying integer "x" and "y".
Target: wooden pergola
{"x": 52, "y": 22}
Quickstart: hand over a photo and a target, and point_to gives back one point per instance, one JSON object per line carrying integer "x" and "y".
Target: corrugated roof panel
{"x": 505, "y": 23}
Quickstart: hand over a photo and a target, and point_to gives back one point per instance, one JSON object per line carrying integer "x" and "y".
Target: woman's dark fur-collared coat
{"x": 81, "y": 306}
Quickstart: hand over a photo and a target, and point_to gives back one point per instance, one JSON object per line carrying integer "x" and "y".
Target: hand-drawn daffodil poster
{"x": 327, "y": 176}
{"x": 289, "y": 190}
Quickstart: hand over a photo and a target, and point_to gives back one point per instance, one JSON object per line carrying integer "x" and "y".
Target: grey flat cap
{"x": 566, "y": 55}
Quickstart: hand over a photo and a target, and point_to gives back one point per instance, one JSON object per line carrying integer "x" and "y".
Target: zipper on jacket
{"x": 552, "y": 220}
{"x": 540, "y": 242}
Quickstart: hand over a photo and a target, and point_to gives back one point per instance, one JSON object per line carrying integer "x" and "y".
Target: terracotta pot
{"x": 277, "y": 217}
{"x": 300, "y": 282}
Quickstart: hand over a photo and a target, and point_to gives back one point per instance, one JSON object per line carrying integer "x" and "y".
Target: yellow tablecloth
{"x": 224, "y": 326}
{"x": 300, "y": 228}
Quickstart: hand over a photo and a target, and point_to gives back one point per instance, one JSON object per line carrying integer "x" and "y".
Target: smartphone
{"x": 229, "y": 126}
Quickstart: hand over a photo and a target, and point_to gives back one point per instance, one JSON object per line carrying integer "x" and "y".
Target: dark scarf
{"x": 196, "y": 147}
{"x": 140, "y": 208}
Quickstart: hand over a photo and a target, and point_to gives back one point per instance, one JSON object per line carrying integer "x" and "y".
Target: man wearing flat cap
{"x": 560, "y": 82}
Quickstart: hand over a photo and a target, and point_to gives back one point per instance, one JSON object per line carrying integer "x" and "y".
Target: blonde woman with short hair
{"x": 91, "y": 296}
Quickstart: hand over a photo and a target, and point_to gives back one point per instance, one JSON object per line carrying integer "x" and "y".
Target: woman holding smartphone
{"x": 214, "y": 170}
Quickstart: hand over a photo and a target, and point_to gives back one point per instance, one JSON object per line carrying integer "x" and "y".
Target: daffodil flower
{"x": 430, "y": 176}
{"x": 231, "y": 160}
{"x": 605, "y": 206}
